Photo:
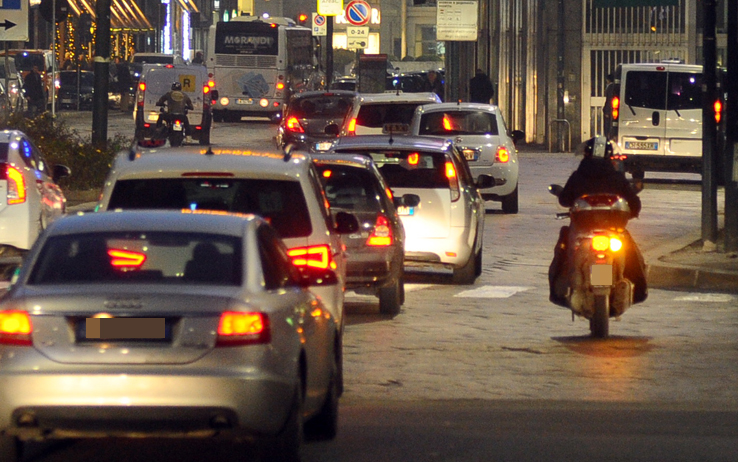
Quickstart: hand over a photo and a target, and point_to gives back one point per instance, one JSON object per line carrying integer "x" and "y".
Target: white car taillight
{"x": 16, "y": 189}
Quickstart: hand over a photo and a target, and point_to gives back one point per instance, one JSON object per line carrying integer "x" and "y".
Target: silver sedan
{"x": 164, "y": 323}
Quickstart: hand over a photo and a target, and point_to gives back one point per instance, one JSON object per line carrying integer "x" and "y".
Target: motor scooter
{"x": 596, "y": 247}
{"x": 174, "y": 127}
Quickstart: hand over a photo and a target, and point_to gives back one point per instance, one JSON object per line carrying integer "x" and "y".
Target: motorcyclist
{"x": 177, "y": 103}
{"x": 598, "y": 173}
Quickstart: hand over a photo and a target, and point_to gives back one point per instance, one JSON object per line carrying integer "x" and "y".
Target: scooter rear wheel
{"x": 599, "y": 325}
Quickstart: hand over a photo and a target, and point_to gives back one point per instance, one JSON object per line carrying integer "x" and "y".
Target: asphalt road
{"x": 494, "y": 372}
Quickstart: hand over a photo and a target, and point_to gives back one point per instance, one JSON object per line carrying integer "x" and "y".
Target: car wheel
{"x": 390, "y": 298}
{"x": 510, "y": 202}
{"x": 324, "y": 425}
{"x": 286, "y": 446}
{"x": 11, "y": 449}
{"x": 466, "y": 274}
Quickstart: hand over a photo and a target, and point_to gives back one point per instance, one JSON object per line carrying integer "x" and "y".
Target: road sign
{"x": 357, "y": 43}
{"x": 456, "y": 20}
{"x": 320, "y": 25}
{"x": 358, "y": 12}
{"x": 330, "y": 7}
{"x": 14, "y": 20}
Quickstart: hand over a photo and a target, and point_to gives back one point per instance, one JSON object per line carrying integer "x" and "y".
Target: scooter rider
{"x": 597, "y": 173}
{"x": 177, "y": 103}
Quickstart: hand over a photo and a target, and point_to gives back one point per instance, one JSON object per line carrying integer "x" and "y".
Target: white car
{"x": 166, "y": 323}
{"x": 284, "y": 189}
{"x": 30, "y": 199}
{"x": 389, "y": 112}
{"x": 446, "y": 228}
{"x": 480, "y": 133}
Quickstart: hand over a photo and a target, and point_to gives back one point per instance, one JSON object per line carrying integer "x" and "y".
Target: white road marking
{"x": 492, "y": 292}
{"x": 408, "y": 288}
{"x": 710, "y": 298}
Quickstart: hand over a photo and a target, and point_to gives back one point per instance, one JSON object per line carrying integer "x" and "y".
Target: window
{"x": 459, "y": 123}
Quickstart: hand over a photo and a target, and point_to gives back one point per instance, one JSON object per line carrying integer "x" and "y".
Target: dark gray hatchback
{"x": 313, "y": 120}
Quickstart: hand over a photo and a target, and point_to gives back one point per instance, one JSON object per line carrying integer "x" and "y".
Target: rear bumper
{"x": 662, "y": 163}
{"x": 373, "y": 267}
{"x": 452, "y": 251}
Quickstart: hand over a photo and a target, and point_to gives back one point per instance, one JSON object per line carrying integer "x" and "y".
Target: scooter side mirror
{"x": 555, "y": 189}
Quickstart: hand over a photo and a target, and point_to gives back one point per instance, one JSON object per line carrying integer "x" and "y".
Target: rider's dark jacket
{"x": 177, "y": 102}
{"x": 596, "y": 175}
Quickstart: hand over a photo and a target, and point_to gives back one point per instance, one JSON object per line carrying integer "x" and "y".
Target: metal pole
{"x": 709, "y": 185}
{"x": 329, "y": 51}
{"x": 561, "y": 75}
{"x": 102, "y": 63}
{"x": 53, "y": 60}
{"x": 731, "y": 125}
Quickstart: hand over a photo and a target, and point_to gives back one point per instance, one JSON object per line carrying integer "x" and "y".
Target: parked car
{"x": 480, "y": 133}
{"x": 13, "y": 84}
{"x": 446, "y": 228}
{"x": 157, "y": 81}
{"x": 376, "y": 253}
{"x": 312, "y": 121}
{"x": 389, "y": 112}
{"x": 30, "y": 198}
{"x": 409, "y": 83}
{"x": 285, "y": 189}
{"x": 26, "y": 59}
{"x": 67, "y": 87}
{"x": 166, "y": 323}
{"x": 344, "y": 83}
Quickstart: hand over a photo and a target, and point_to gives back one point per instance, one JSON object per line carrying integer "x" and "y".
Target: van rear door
{"x": 642, "y": 124}
{"x": 683, "y": 124}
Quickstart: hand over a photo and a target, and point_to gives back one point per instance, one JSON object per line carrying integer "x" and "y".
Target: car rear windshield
{"x": 661, "y": 90}
{"x": 410, "y": 169}
{"x": 350, "y": 188}
{"x": 280, "y": 202}
{"x": 26, "y": 61}
{"x": 377, "y": 115}
{"x": 459, "y": 123}
{"x": 70, "y": 78}
{"x": 140, "y": 257}
{"x": 320, "y": 107}
{"x": 153, "y": 59}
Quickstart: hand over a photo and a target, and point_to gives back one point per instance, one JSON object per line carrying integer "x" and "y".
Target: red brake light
{"x": 317, "y": 256}
{"x": 205, "y": 89}
{"x": 280, "y": 86}
{"x": 142, "y": 86}
{"x": 382, "y": 234}
{"x": 169, "y": 66}
{"x": 718, "y": 107}
{"x": 15, "y": 328}
{"x": 16, "y": 193}
{"x": 615, "y": 107}
{"x": 450, "y": 170}
{"x": 126, "y": 258}
{"x": 211, "y": 84}
{"x": 352, "y": 126}
{"x": 241, "y": 328}
{"x": 293, "y": 125}
{"x": 453, "y": 181}
{"x": 502, "y": 154}
{"x": 413, "y": 158}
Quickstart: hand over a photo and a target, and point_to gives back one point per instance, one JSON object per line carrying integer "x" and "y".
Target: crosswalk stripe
{"x": 493, "y": 292}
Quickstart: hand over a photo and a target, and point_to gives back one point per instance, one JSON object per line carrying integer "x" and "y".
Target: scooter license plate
{"x": 601, "y": 275}
{"x": 177, "y": 126}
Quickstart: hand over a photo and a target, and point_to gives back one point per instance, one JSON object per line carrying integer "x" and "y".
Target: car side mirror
{"x": 555, "y": 189}
{"x": 485, "y": 181}
{"x": 517, "y": 135}
{"x": 407, "y": 200}
{"x": 346, "y": 223}
{"x": 61, "y": 171}
{"x": 311, "y": 276}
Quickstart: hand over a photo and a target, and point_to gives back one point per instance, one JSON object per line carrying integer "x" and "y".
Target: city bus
{"x": 258, "y": 64}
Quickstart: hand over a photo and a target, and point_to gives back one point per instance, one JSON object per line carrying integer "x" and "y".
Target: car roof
{"x": 449, "y": 107}
{"x": 403, "y": 142}
{"x": 401, "y": 97}
{"x": 153, "y": 220}
{"x": 663, "y": 66}
{"x": 7, "y": 135}
{"x": 172, "y": 162}
{"x": 309, "y": 94}
{"x": 353, "y": 160}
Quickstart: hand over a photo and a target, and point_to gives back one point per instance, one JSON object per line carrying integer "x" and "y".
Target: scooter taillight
{"x": 601, "y": 243}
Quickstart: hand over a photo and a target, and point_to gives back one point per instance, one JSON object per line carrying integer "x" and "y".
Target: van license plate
{"x": 642, "y": 145}
{"x": 405, "y": 210}
{"x": 244, "y": 101}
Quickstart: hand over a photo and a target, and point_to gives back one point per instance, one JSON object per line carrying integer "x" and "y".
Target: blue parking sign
{"x": 10, "y": 4}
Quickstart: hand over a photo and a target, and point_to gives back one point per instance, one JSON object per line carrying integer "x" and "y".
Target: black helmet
{"x": 597, "y": 147}
{"x": 176, "y": 86}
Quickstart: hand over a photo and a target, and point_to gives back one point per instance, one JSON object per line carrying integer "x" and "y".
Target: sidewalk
{"x": 685, "y": 264}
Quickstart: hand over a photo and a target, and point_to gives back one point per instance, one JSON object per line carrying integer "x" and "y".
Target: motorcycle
{"x": 174, "y": 127}
{"x": 596, "y": 249}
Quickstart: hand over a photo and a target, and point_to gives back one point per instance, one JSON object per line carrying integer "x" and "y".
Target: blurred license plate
{"x": 108, "y": 329}
{"x": 601, "y": 275}
{"x": 244, "y": 101}
{"x": 405, "y": 210}
{"x": 177, "y": 126}
{"x": 324, "y": 146}
{"x": 642, "y": 145}
{"x": 470, "y": 154}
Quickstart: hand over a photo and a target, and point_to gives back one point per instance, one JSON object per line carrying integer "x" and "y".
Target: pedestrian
{"x": 607, "y": 108}
{"x": 198, "y": 58}
{"x": 68, "y": 63}
{"x": 434, "y": 84}
{"x": 480, "y": 88}
{"x": 33, "y": 87}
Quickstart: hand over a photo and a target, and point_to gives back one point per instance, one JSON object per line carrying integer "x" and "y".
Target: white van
{"x": 657, "y": 117}
{"x": 157, "y": 80}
